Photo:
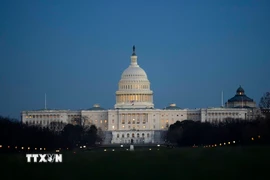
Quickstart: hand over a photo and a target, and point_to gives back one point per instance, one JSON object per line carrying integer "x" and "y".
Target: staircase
{"x": 107, "y": 137}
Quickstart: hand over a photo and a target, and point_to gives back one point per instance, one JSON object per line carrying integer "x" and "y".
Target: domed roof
{"x": 96, "y": 107}
{"x": 134, "y": 72}
{"x": 172, "y": 107}
{"x": 240, "y": 89}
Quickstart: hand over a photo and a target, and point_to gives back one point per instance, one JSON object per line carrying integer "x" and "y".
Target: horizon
{"x": 76, "y": 52}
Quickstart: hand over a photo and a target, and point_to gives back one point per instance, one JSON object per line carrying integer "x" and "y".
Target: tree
{"x": 265, "y": 101}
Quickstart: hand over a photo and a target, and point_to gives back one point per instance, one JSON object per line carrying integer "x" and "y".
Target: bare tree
{"x": 265, "y": 101}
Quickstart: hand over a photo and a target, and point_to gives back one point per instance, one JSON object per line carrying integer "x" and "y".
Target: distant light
{"x": 112, "y": 149}
{"x": 28, "y": 148}
{"x": 215, "y": 144}
{"x": 252, "y": 138}
{"x": 8, "y": 146}
{"x": 259, "y": 136}
{"x": 212, "y": 145}
{"x": 150, "y": 149}
{"x": 229, "y": 142}
{"x": 57, "y": 150}
{"x": 84, "y": 146}
{"x": 158, "y": 149}
{"x": 105, "y": 150}
{"x": 44, "y": 149}
{"x": 67, "y": 148}
{"x": 158, "y": 145}
{"x": 220, "y": 144}
{"x": 233, "y": 141}
{"x": 127, "y": 149}
{"x": 22, "y": 147}
{"x": 224, "y": 143}
{"x": 0, "y": 146}
{"x": 41, "y": 149}
{"x": 35, "y": 148}
{"x": 80, "y": 147}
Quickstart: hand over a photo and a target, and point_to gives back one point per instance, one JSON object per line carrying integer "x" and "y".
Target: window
{"x": 138, "y": 135}
{"x": 148, "y": 135}
{"x": 133, "y": 135}
{"x": 128, "y": 135}
{"x": 144, "y": 127}
{"x": 105, "y": 121}
{"x": 113, "y": 121}
{"x": 123, "y": 121}
{"x": 100, "y": 121}
{"x": 123, "y": 135}
{"x": 117, "y": 135}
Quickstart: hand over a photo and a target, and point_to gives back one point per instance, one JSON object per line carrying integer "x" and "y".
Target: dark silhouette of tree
{"x": 265, "y": 101}
{"x": 16, "y": 134}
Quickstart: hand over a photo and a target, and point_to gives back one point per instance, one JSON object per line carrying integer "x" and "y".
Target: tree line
{"x": 14, "y": 133}
{"x": 190, "y": 133}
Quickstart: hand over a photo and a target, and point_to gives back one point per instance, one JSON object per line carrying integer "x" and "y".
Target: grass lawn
{"x": 183, "y": 163}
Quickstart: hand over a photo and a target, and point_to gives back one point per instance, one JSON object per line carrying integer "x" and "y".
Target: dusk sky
{"x": 76, "y": 51}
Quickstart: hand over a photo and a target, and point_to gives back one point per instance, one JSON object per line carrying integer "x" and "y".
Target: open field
{"x": 183, "y": 163}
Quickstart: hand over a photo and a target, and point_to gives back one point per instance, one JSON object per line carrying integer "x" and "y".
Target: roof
{"x": 172, "y": 107}
{"x": 240, "y": 98}
{"x": 96, "y": 107}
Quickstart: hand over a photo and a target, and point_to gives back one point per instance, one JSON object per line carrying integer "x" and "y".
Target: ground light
{"x": 252, "y": 139}
{"x": 0, "y": 146}
{"x": 84, "y": 146}
{"x": 41, "y": 149}
{"x": 127, "y": 149}
{"x": 22, "y": 147}
{"x": 150, "y": 149}
{"x": 158, "y": 145}
{"x": 28, "y": 148}
{"x": 113, "y": 150}
{"x": 121, "y": 145}
{"x": 105, "y": 150}
{"x": 233, "y": 141}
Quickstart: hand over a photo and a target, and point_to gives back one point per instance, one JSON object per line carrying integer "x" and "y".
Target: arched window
{"x": 133, "y": 135}
{"x": 123, "y": 135}
{"x": 117, "y": 135}
{"x": 148, "y": 135}
{"x": 128, "y": 135}
{"x": 142, "y": 134}
{"x": 138, "y": 135}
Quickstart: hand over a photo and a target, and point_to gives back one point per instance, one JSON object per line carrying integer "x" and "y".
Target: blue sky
{"x": 76, "y": 51}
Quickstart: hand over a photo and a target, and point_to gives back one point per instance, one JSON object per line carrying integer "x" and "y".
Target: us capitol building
{"x": 134, "y": 116}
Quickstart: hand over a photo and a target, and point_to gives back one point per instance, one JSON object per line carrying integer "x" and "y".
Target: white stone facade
{"x": 134, "y": 116}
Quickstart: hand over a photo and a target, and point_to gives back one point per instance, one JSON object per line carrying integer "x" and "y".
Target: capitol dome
{"x": 134, "y": 72}
{"x": 134, "y": 87}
